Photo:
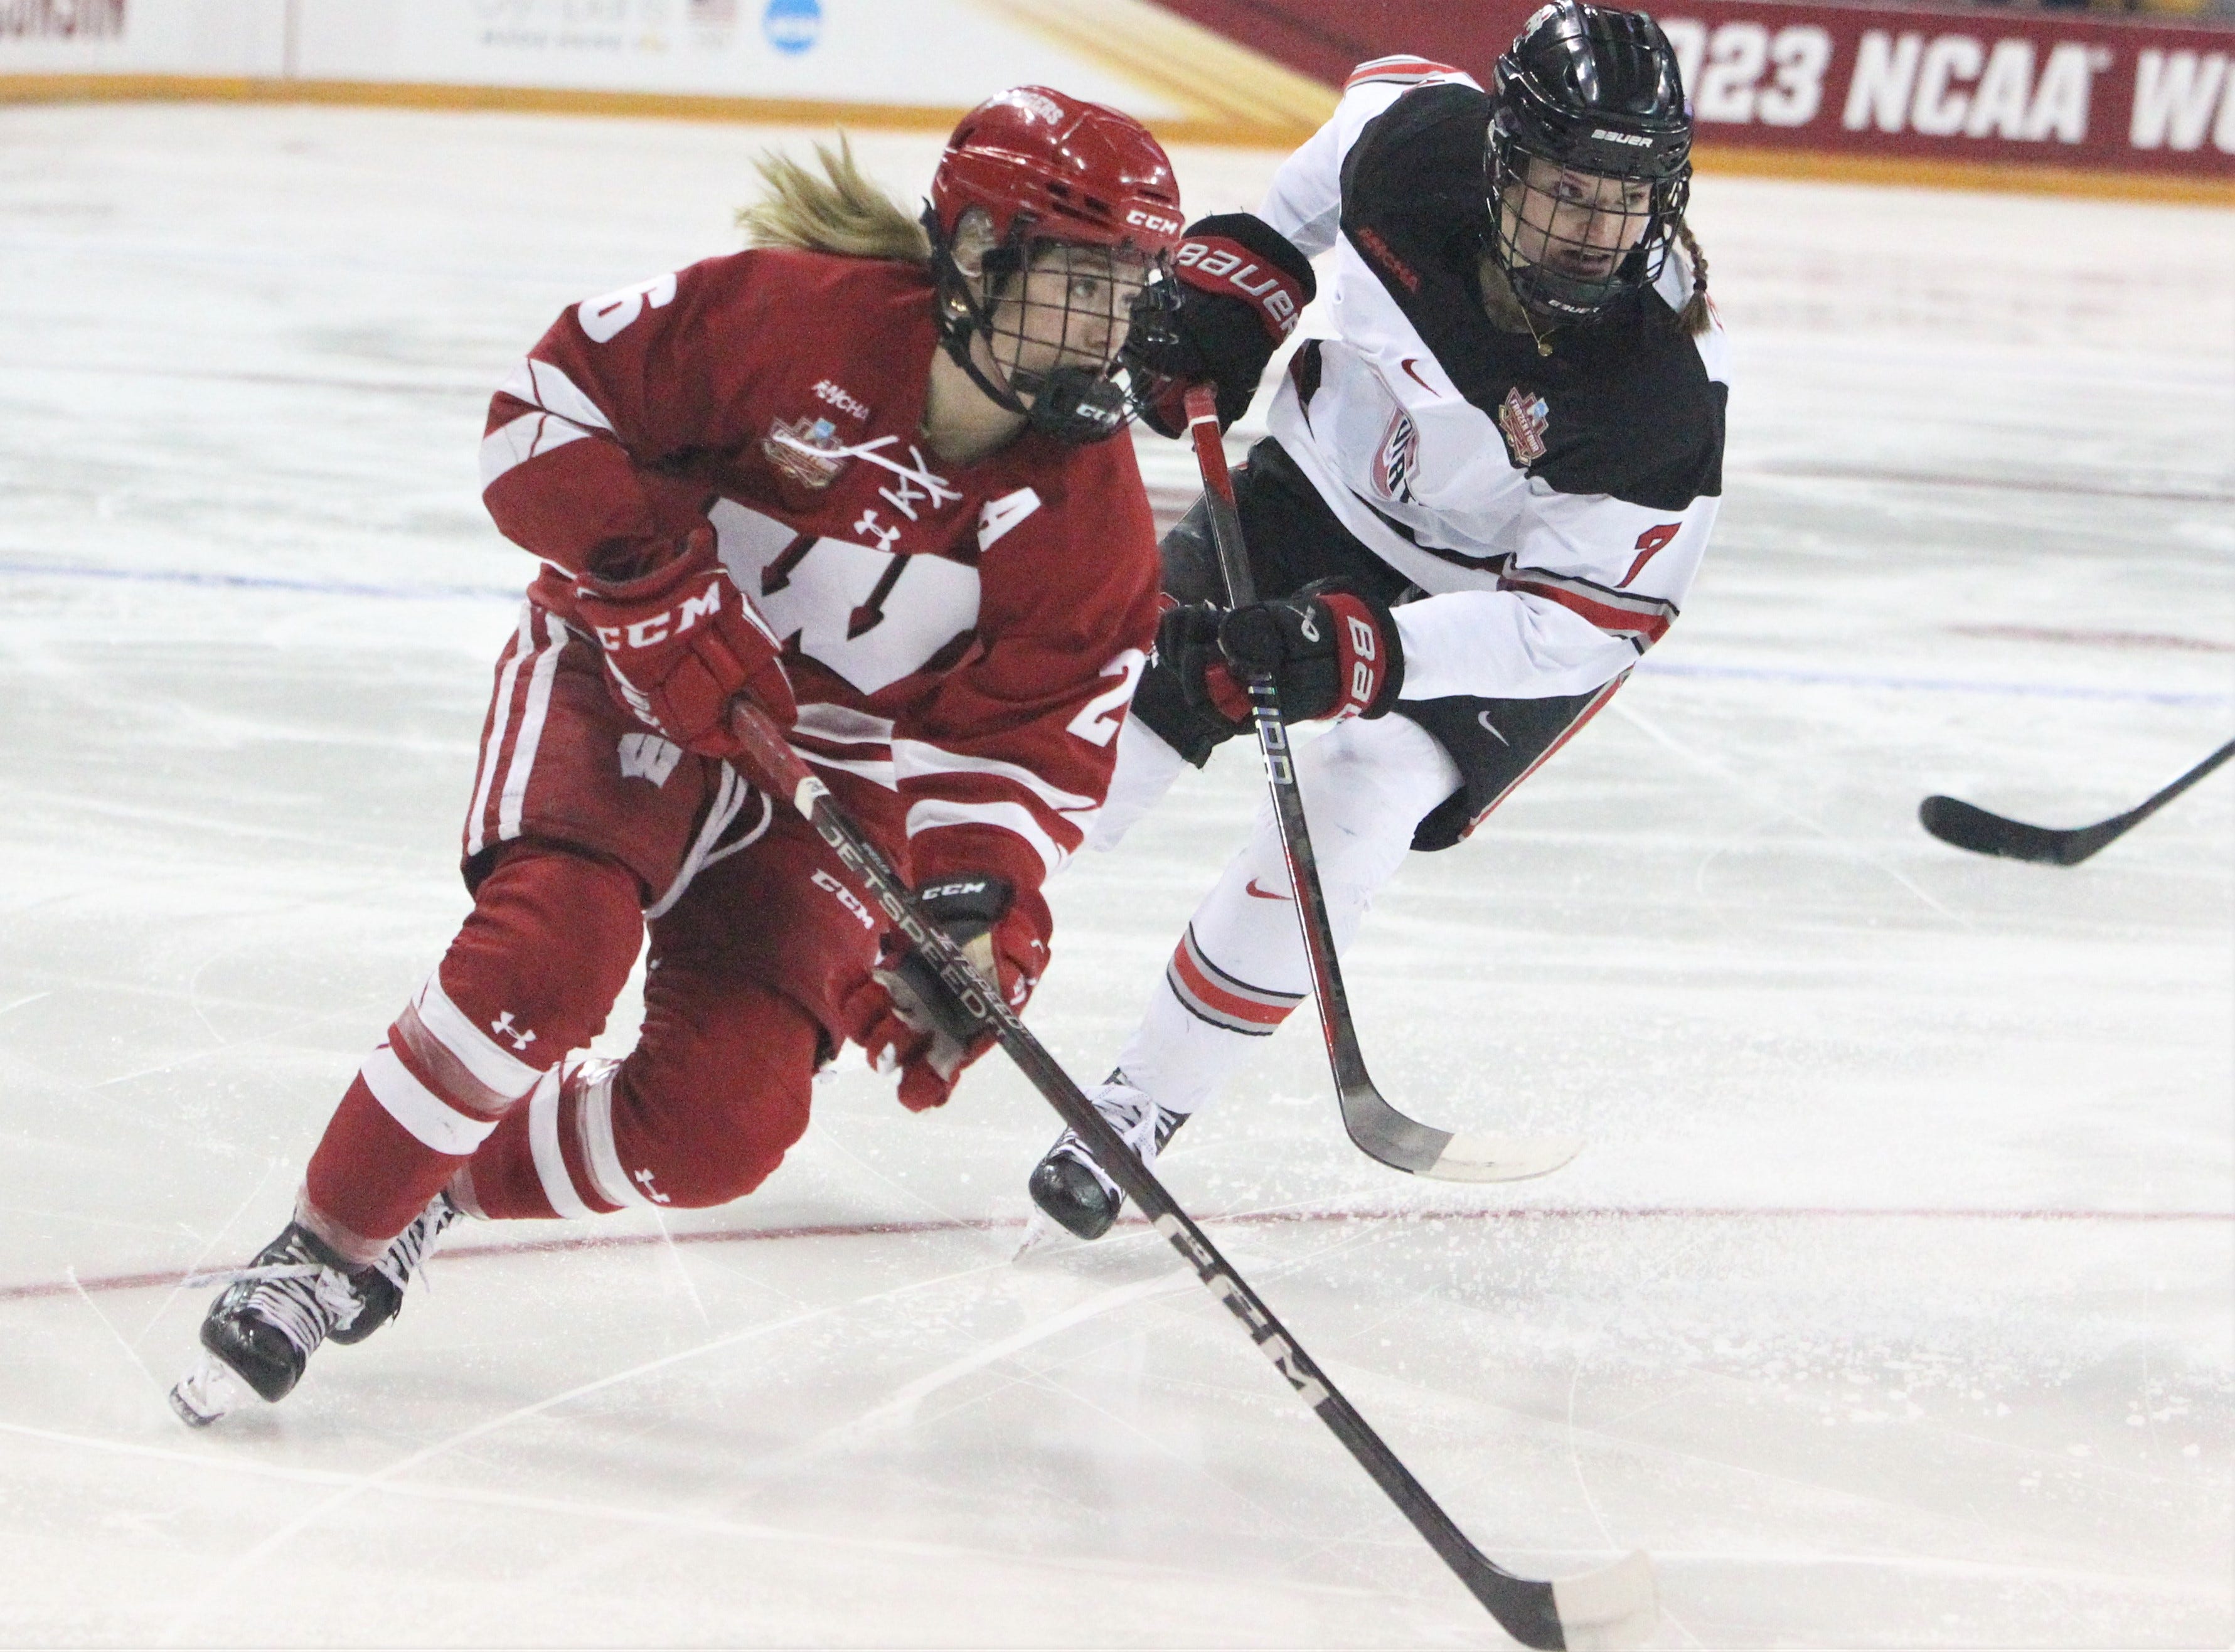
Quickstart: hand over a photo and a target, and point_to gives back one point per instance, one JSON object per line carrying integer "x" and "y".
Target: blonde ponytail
{"x": 840, "y": 211}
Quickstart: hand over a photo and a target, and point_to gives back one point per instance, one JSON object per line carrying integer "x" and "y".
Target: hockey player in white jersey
{"x": 1480, "y": 503}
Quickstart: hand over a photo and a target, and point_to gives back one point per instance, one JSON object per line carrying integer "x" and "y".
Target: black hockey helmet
{"x": 1598, "y": 91}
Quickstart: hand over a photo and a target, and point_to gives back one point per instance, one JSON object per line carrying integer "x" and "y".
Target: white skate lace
{"x": 303, "y": 1314}
{"x": 409, "y": 1249}
{"x": 1133, "y": 1115}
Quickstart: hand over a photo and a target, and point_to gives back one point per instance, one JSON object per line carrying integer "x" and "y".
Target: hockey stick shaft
{"x": 1378, "y": 1130}
{"x": 1983, "y": 832}
{"x": 1335, "y": 1026}
{"x": 1525, "y": 1608}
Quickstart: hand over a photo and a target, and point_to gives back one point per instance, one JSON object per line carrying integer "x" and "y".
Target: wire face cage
{"x": 1572, "y": 241}
{"x": 1056, "y": 316}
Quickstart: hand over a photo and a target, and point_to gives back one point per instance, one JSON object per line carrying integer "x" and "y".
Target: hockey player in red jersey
{"x": 858, "y": 476}
{"x": 1479, "y": 504}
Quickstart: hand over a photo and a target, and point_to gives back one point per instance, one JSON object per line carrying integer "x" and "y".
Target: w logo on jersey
{"x": 1400, "y": 456}
{"x": 646, "y": 757}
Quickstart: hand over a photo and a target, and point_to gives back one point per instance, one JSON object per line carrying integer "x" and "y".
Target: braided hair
{"x": 1693, "y": 317}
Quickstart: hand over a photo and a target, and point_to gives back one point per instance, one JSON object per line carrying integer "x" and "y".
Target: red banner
{"x": 1984, "y": 87}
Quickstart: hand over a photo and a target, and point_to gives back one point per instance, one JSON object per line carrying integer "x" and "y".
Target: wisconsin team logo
{"x": 807, "y": 449}
{"x": 1522, "y": 415}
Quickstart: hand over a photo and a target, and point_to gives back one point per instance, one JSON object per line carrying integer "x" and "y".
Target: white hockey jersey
{"x": 1554, "y": 508}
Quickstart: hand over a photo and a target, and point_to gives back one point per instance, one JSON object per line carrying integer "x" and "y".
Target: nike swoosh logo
{"x": 1407, "y": 365}
{"x": 1251, "y": 887}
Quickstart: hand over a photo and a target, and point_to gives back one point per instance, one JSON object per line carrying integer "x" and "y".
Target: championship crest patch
{"x": 807, "y": 449}
{"x": 1522, "y": 415}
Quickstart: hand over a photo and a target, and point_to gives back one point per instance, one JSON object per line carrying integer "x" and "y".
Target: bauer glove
{"x": 1331, "y": 652}
{"x": 1242, "y": 285}
{"x": 912, "y": 1022}
{"x": 681, "y": 643}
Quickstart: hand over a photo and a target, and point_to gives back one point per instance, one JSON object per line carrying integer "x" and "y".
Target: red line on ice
{"x": 1254, "y": 1218}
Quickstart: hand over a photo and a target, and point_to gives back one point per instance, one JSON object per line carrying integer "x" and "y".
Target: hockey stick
{"x": 1969, "y": 826}
{"x": 1379, "y": 1130}
{"x": 1612, "y": 1608}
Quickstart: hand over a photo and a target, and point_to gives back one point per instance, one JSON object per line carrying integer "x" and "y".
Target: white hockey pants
{"x": 1241, "y": 967}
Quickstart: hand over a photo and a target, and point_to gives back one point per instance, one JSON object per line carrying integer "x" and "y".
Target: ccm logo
{"x": 847, "y": 898}
{"x": 1148, "y": 219}
{"x": 1219, "y": 261}
{"x": 647, "y": 633}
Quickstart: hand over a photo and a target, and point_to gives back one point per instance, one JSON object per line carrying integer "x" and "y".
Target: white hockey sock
{"x": 1146, "y": 768}
{"x": 1241, "y": 967}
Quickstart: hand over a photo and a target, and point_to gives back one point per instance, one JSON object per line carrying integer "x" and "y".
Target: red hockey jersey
{"x": 964, "y": 640}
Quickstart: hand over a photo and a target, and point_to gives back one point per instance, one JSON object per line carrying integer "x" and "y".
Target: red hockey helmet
{"x": 1059, "y": 179}
{"x": 1073, "y": 171}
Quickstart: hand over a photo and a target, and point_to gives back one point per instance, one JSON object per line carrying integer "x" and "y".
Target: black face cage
{"x": 1569, "y": 276}
{"x": 1083, "y": 392}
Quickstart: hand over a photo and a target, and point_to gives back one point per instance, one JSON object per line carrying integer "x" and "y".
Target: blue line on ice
{"x": 32, "y": 569}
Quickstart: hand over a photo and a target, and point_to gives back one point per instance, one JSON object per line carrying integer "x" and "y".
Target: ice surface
{"x": 1889, "y": 1305}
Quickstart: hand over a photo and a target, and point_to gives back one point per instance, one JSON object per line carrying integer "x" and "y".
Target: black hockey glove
{"x": 911, "y": 1020}
{"x": 1242, "y": 285}
{"x": 1330, "y": 652}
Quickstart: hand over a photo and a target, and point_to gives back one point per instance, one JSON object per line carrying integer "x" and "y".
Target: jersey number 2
{"x": 1099, "y": 719}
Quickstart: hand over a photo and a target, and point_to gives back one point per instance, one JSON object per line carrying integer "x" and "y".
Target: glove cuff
{"x": 968, "y": 905}
{"x": 1369, "y": 652}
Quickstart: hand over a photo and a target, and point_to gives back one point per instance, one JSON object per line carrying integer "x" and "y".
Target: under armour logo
{"x": 504, "y": 1029}
{"x": 869, "y": 524}
{"x": 656, "y": 1196}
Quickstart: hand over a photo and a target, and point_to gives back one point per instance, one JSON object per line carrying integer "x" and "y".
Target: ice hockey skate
{"x": 1068, "y": 1184}
{"x": 259, "y": 1334}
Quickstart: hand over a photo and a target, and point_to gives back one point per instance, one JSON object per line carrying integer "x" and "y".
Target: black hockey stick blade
{"x": 1607, "y": 1610}
{"x": 1968, "y": 826}
{"x": 1377, "y": 1129}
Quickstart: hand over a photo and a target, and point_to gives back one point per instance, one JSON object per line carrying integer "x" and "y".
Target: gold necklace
{"x": 1542, "y": 342}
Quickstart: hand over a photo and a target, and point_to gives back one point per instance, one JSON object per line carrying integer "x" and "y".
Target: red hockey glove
{"x": 1331, "y": 652}
{"x": 680, "y": 643}
{"x": 1242, "y": 285}
{"x": 912, "y": 1022}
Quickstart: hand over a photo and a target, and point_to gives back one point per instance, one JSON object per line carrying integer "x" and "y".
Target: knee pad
{"x": 705, "y": 1107}
{"x": 546, "y": 950}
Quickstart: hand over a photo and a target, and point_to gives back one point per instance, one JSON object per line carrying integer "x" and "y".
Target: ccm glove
{"x": 1242, "y": 285}
{"x": 1330, "y": 652}
{"x": 912, "y": 1022}
{"x": 681, "y": 643}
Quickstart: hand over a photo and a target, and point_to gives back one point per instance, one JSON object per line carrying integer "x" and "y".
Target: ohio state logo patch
{"x": 807, "y": 449}
{"x": 1393, "y": 465}
{"x": 1522, "y": 415}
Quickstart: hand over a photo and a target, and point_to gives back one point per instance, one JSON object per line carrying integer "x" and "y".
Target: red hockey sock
{"x": 531, "y": 976}
{"x": 701, "y": 1111}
